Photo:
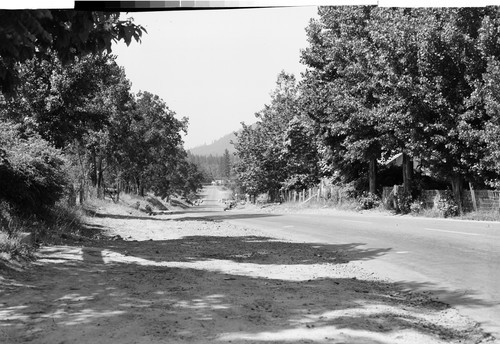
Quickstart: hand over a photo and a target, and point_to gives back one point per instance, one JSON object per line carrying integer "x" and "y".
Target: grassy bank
{"x": 21, "y": 235}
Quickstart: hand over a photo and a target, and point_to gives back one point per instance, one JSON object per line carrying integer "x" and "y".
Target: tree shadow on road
{"x": 247, "y": 249}
{"x": 200, "y": 289}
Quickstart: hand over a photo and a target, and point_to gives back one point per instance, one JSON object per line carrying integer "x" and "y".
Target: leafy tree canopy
{"x": 26, "y": 33}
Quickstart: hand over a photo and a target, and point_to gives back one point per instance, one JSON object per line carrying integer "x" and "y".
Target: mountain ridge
{"x": 217, "y": 147}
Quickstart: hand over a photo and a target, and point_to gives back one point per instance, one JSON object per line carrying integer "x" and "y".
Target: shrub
{"x": 32, "y": 173}
{"x": 403, "y": 202}
{"x": 447, "y": 205}
{"x": 347, "y": 192}
{"x": 368, "y": 200}
{"x": 5, "y": 216}
{"x": 416, "y": 207}
{"x": 60, "y": 220}
{"x": 11, "y": 227}
{"x": 14, "y": 248}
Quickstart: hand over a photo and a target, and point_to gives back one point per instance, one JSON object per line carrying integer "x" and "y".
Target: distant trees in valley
{"x": 214, "y": 167}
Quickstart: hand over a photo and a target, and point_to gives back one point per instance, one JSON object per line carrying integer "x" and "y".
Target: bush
{"x": 368, "y": 201}
{"x": 61, "y": 220}
{"x": 403, "y": 202}
{"x": 12, "y": 246}
{"x": 11, "y": 227}
{"x": 32, "y": 173}
{"x": 446, "y": 205}
{"x": 58, "y": 222}
{"x": 417, "y": 207}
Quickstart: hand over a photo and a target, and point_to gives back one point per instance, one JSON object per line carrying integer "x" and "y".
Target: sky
{"x": 216, "y": 67}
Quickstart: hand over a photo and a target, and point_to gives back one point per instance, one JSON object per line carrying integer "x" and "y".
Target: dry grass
{"x": 12, "y": 247}
{"x": 429, "y": 212}
{"x": 20, "y": 236}
{"x": 482, "y": 215}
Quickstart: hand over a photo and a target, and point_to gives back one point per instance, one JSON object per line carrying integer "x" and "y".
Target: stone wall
{"x": 485, "y": 199}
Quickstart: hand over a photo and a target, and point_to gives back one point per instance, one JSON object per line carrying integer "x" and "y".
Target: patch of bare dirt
{"x": 160, "y": 280}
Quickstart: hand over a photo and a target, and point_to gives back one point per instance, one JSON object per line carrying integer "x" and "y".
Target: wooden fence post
{"x": 473, "y": 196}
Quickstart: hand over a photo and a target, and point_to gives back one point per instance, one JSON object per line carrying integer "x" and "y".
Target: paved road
{"x": 458, "y": 260}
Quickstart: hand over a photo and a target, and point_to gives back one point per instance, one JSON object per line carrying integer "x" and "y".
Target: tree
{"x": 300, "y": 149}
{"x": 213, "y": 167}
{"x": 76, "y": 107}
{"x": 382, "y": 81}
{"x": 454, "y": 52}
{"x": 251, "y": 170}
{"x": 62, "y": 103}
{"x": 25, "y": 34}
{"x": 480, "y": 127}
{"x": 185, "y": 180}
{"x": 340, "y": 88}
{"x": 153, "y": 145}
{"x": 261, "y": 148}
{"x": 225, "y": 165}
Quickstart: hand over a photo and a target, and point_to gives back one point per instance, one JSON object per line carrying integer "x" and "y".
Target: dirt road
{"x": 176, "y": 279}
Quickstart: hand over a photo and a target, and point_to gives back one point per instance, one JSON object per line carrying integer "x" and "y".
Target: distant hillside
{"x": 217, "y": 147}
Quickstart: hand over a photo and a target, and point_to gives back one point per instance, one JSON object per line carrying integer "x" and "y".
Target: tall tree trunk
{"x": 407, "y": 172}
{"x": 83, "y": 172}
{"x": 457, "y": 188}
{"x": 82, "y": 192}
{"x": 93, "y": 172}
{"x": 372, "y": 175}
{"x": 100, "y": 179}
{"x": 118, "y": 186}
{"x": 137, "y": 185}
{"x": 71, "y": 196}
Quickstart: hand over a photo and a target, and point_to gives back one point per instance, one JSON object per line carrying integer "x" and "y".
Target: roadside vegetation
{"x": 381, "y": 83}
{"x": 72, "y": 130}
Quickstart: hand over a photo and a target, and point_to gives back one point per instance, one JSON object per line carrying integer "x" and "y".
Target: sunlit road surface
{"x": 459, "y": 261}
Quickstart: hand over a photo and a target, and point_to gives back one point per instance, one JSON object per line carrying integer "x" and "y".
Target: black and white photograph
{"x": 249, "y": 172}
